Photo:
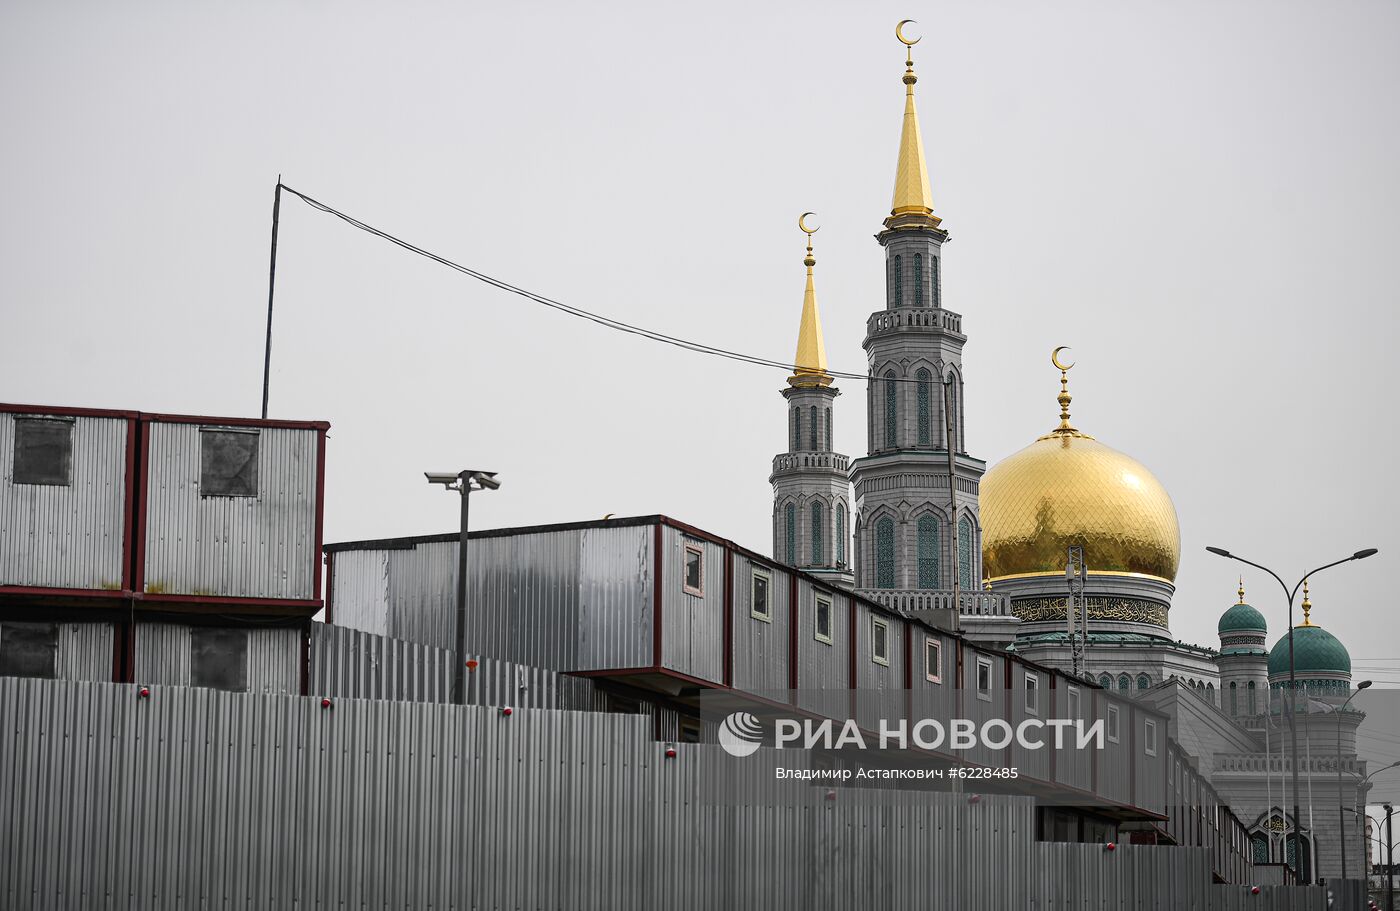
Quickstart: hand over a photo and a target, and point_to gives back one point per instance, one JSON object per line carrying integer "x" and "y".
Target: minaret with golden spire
{"x": 809, "y": 366}
{"x": 919, "y": 526}
{"x": 811, "y": 491}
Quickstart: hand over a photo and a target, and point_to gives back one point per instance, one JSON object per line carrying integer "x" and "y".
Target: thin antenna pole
{"x": 271, "y": 286}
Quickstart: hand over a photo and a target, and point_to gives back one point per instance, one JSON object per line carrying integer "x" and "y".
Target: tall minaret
{"x": 811, "y": 493}
{"x": 908, "y": 511}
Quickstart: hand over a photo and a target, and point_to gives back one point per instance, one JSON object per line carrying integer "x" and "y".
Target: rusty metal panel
{"x": 234, "y": 546}
{"x": 57, "y": 536}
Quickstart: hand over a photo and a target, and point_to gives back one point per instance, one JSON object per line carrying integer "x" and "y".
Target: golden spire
{"x": 1307, "y": 606}
{"x": 912, "y": 196}
{"x": 1241, "y": 589}
{"x": 810, "y": 363}
{"x": 1066, "y": 429}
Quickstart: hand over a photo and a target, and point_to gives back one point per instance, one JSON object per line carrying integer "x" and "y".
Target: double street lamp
{"x": 1292, "y": 667}
{"x": 463, "y": 482}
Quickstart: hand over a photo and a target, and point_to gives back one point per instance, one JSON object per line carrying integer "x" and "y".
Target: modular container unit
{"x": 236, "y": 659}
{"x": 66, "y": 478}
{"x": 57, "y": 651}
{"x": 761, "y": 618}
{"x": 231, "y": 512}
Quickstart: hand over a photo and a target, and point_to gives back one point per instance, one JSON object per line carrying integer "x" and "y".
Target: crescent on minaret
{"x": 1055, "y": 358}
{"x": 802, "y": 223}
{"x": 899, "y": 32}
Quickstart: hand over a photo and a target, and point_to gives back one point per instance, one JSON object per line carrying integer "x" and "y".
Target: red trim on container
{"x": 227, "y": 600}
{"x": 234, "y": 422}
{"x": 320, "y": 512}
{"x": 143, "y": 478}
{"x": 728, "y": 664}
{"x": 658, "y": 568}
{"x": 66, "y": 411}
{"x": 63, "y": 592}
{"x": 129, "y": 503}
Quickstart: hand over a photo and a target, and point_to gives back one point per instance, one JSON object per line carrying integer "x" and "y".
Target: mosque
{"x": 932, "y": 531}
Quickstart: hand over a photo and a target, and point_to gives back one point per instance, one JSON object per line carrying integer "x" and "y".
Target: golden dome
{"x": 1068, "y": 488}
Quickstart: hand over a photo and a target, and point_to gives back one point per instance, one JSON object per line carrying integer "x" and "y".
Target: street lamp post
{"x": 464, "y": 482}
{"x": 1292, "y": 668}
{"x": 1341, "y": 804}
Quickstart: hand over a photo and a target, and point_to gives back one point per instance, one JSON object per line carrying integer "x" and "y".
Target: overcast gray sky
{"x": 1199, "y": 197}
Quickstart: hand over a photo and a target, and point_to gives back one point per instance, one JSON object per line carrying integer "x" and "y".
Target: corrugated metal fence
{"x": 196, "y": 798}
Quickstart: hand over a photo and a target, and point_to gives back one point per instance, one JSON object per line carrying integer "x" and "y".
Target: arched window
{"x": 1259, "y": 846}
{"x": 925, "y": 405}
{"x": 1234, "y": 698}
{"x": 815, "y": 429}
{"x": 1144, "y": 681}
{"x": 965, "y": 554}
{"x": 791, "y": 529}
{"x": 1105, "y": 681}
{"x": 899, "y": 281}
{"x": 918, "y": 279}
{"x": 928, "y": 551}
{"x": 933, "y": 275}
{"x": 829, "y": 447}
{"x": 840, "y": 533}
{"x": 891, "y": 411}
{"x": 1253, "y": 709}
{"x": 884, "y": 553}
{"x": 796, "y": 429}
{"x": 1124, "y": 683}
{"x": 817, "y": 542}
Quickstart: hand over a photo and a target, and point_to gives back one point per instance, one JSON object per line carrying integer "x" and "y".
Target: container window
{"x": 984, "y": 679}
{"x": 823, "y": 620}
{"x": 228, "y": 463}
{"x": 694, "y": 579}
{"x": 1032, "y": 694}
{"x": 760, "y": 608}
{"x": 933, "y": 660}
{"x": 822, "y": 623}
{"x": 219, "y": 658}
{"x": 1149, "y": 737}
{"x": 1112, "y": 724}
{"x": 43, "y": 452}
{"x": 28, "y": 650}
{"x": 879, "y": 641}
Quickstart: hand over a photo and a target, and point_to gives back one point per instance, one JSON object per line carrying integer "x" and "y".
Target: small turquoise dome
{"x": 1318, "y": 652}
{"x": 1242, "y": 617}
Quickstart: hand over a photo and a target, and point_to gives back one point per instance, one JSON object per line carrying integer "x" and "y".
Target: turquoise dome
{"x": 1242, "y": 617}
{"x": 1318, "y": 652}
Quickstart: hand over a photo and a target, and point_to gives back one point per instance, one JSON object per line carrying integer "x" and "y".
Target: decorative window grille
{"x": 817, "y": 542}
{"x": 925, "y": 406}
{"x": 829, "y": 447}
{"x": 815, "y": 430}
{"x": 933, "y": 275}
{"x": 891, "y": 411}
{"x": 918, "y": 279}
{"x": 899, "y": 281}
{"x": 840, "y": 534}
{"x": 965, "y": 554}
{"x": 928, "y": 551}
{"x": 790, "y": 552}
{"x": 796, "y": 429}
{"x": 884, "y": 553}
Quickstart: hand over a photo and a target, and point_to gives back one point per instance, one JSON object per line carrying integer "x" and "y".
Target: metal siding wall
{"x": 878, "y": 685}
{"x": 692, "y": 626}
{"x": 85, "y": 651}
{"x": 615, "y": 597}
{"x": 360, "y": 593}
{"x": 760, "y": 649}
{"x": 66, "y": 537}
{"x": 823, "y": 671}
{"x": 163, "y": 652}
{"x": 197, "y": 798}
{"x": 251, "y": 547}
{"x": 422, "y": 595}
{"x": 1115, "y": 759}
{"x": 274, "y": 660}
{"x": 1074, "y": 767}
{"x": 348, "y": 663}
